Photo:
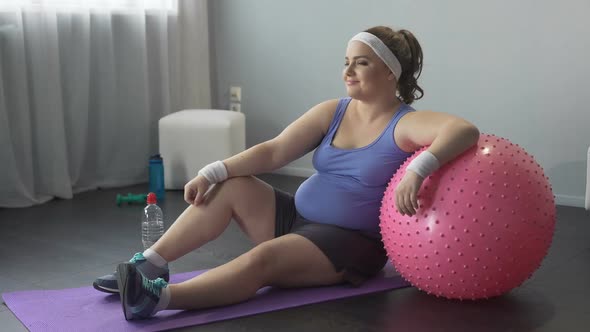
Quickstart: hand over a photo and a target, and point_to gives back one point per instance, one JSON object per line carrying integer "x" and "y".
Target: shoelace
{"x": 137, "y": 257}
{"x": 154, "y": 286}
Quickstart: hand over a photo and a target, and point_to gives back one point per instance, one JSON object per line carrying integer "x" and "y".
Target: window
{"x": 105, "y": 4}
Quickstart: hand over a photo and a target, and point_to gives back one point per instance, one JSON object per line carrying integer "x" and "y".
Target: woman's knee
{"x": 262, "y": 260}
{"x": 229, "y": 189}
{"x": 291, "y": 261}
{"x": 236, "y": 187}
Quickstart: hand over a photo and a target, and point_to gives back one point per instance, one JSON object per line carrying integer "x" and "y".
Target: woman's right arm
{"x": 298, "y": 139}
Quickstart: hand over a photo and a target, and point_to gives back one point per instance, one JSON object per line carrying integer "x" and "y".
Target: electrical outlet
{"x": 236, "y": 107}
{"x": 235, "y": 94}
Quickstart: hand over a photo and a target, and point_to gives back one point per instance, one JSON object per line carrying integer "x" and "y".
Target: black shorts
{"x": 360, "y": 254}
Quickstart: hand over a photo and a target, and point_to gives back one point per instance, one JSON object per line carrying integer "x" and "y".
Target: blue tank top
{"x": 349, "y": 184}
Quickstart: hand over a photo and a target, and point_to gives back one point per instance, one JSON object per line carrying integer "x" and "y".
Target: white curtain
{"x": 83, "y": 85}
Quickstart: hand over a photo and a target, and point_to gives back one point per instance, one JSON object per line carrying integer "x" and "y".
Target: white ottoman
{"x": 191, "y": 139}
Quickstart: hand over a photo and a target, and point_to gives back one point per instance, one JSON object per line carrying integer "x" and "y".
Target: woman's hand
{"x": 195, "y": 189}
{"x": 406, "y": 193}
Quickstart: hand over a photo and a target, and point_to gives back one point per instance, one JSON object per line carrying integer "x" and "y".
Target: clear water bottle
{"x": 152, "y": 222}
{"x": 156, "y": 176}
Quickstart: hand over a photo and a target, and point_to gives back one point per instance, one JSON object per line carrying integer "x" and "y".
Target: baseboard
{"x": 566, "y": 200}
{"x": 295, "y": 171}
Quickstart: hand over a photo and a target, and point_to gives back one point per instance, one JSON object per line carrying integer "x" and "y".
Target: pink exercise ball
{"x": 485, "y": 223}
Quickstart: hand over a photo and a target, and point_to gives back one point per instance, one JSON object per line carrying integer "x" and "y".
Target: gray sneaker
{"x": 108, "y": 283}
{"x": 139, "y": 295}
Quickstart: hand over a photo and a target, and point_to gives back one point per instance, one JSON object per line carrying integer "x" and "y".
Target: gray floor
{"x": 67, "y": 243}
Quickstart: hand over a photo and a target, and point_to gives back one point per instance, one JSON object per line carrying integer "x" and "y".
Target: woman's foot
{"x": 108, "y": 283}
{"x": 140, "y": 297}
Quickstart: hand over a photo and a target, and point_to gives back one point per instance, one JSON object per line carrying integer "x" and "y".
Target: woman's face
{"x": 365, "y": 74}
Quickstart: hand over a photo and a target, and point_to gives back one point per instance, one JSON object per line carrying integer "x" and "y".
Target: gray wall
{"x": 517, "y": 69}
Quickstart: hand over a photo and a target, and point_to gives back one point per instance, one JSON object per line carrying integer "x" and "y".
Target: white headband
{"x": 382, "y": 51}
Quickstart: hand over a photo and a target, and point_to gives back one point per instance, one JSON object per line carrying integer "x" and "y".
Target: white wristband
{"x": 424, "y": 164}
{"x": 214, "y": 172}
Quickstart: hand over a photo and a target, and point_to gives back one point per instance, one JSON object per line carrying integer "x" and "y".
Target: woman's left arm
{"x": 447, "y": 137}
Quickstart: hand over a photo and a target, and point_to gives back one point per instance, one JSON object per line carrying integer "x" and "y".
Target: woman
{"x": 328, "y": 233}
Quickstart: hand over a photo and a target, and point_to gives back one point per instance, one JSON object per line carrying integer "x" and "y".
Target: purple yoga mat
{"x": 85, "y": 309}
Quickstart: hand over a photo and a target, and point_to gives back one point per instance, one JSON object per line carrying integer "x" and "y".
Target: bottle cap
{"x": 156, "y": 157}
{"x": 151, "y": 198}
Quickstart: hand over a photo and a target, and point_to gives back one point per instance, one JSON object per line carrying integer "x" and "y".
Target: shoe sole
{"x": 105, "y": 289}
{"x": 123, "y": 270}
{"x": 116, "y": 291}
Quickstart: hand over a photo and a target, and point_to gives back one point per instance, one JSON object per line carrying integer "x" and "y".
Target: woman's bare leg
{"x": 250, "y": 201}
{"x": 286, "y": 261}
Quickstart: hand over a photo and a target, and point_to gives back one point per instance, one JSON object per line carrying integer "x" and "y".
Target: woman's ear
{"x": 390, "y": 77}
